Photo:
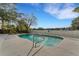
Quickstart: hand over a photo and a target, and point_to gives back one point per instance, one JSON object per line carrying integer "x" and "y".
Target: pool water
{"x": 45, "y": 40}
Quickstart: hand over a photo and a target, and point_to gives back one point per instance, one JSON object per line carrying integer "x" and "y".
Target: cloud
{"x": 35, "y": 4}
{"x": 61, "y": 11}
{"x": 67, "y": 14}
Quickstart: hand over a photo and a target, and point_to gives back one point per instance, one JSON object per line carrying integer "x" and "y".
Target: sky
{"x": 50, "y": 15}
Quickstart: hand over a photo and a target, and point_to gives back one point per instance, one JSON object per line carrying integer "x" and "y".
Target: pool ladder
{"x": 35, "y": 46}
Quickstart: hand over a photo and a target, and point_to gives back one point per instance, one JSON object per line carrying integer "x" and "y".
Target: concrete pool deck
{"x": 12, "y": 45}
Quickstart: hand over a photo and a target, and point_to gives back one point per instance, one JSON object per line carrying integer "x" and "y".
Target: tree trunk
{"x": 2, "y": 27}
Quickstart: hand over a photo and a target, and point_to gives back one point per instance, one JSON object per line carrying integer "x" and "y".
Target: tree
{"x": 21, "y": 27}
{"x": 76, "y": 9}
{"x": 31, "y": 20}
{"x": 21, "y": 24}
{"x": 10, "y": 17}
{"x": 75, "y": 22}
{"x": 27, "y": 21}
{"x": 7, "y": 13}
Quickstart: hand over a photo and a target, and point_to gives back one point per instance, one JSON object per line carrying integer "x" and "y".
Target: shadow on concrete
{"x": 38, "y": 50}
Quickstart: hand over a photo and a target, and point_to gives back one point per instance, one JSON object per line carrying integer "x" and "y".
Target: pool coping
{"x": 67, "y": 47}
{"x": 57, "y": 36}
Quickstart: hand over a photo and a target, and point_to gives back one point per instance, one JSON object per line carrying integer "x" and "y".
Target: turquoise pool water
{"x": 45, "y": 40}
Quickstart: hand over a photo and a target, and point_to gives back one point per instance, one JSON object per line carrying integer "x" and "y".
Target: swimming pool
{"x": 43, "y": 39}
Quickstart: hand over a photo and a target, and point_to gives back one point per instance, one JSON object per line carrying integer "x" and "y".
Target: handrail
{"x": 34, "y": 46}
